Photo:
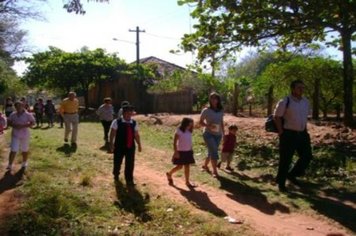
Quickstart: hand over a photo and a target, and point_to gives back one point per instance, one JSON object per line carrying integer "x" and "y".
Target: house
{"x": 125, "y": 87}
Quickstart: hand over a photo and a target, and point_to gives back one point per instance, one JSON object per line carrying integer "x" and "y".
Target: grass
{"x": 70, "y": 191}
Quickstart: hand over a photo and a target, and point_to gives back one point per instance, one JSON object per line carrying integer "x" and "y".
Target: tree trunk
{"x": 348, "y": 78}
{"x": 338, "y": 111}
{"x": 316, "y": 96}
{"x": 270, "y": 100}
{"x": 235, "y": 102}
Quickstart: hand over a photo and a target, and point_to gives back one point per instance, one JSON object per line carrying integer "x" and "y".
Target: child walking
{"x": 123, "y": 134}
{"x": 183, "y": 151}
{"x": 229, "y": 144}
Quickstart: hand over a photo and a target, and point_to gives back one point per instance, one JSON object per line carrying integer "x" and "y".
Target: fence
{"x": 175, "y": 102}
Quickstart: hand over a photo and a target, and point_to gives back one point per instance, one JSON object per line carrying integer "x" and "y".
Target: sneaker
{"x": 24, "y": 165}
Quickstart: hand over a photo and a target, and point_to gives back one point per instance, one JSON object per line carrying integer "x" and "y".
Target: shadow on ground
{"x": 336, "y": 204}
{"x": 67, "y": 149}
{"x": 248, "y": 195}
{"x": 201, "y": 200}
{"x": 10, "y": 181}
{"x": 131, "y": 200}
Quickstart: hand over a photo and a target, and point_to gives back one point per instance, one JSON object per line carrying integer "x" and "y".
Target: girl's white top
{"x": 184, "y": 140}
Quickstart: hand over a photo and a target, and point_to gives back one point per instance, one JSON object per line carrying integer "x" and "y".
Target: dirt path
{"x": 9, "y": 199}
{"x": 221, "y": 203}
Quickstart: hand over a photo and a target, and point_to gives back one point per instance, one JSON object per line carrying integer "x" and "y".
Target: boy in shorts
{"x": 229, "y": 144}
{"x": 20, "y": 121}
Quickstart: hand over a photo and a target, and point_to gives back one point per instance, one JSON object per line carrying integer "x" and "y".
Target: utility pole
{"x": 138, "y": 31}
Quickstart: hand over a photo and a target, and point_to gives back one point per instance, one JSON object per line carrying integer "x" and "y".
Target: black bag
{"x": 270, "y": 126}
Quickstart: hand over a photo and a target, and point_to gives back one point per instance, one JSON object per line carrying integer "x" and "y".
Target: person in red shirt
{"x": 229, "y": 144}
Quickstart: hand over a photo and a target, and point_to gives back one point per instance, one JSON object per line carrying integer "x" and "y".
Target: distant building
{"x": 126, "y": 88}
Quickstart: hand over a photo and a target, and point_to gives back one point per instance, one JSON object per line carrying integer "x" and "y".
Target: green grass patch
{"x": 69, "y": 191}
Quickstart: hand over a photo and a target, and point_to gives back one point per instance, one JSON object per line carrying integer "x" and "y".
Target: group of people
{"x": 20, "y": 118}
{"x": 39, "y": 109}
{"x": 290, "y": 117}
{"x": 121, "y": 135}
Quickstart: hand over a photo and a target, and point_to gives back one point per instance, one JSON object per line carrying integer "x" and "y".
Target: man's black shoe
{"x": 282, "y": 188}
{"x": 130, "y": 184}
{"x": 294, "y": 180}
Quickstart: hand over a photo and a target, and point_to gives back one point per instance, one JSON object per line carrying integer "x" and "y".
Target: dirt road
{"x": 221, "y": 203}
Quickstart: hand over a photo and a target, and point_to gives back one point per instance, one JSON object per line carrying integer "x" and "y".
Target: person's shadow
{"x": 248, "y": 195}
{"x": 67, "y": 149}
{"x": 131, "y": 200}
{"x": 10, "y": 181}
{"x": 201, "y": 200}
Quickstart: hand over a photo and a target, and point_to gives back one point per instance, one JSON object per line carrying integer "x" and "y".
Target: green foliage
{"x": 56, "y": 69}
{"x": 225, "y": 26}
{"x": 280, "y": 74}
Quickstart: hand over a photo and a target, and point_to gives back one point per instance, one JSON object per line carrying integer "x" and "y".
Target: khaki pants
{"x": 71, "y": 122}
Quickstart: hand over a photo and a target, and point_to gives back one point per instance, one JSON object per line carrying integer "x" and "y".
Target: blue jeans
{"x": 212, "y": 142}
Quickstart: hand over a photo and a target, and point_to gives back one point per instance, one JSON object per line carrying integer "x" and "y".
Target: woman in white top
{"x": 211, "y": 118}
{"x": 106, "y": 115}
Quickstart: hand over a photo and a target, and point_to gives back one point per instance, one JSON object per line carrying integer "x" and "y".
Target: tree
{"x": 77, "y": 7}
{"x": 322, "y": 77}
{"x": 55, "y": 69}
{"x": 224, "y": 26}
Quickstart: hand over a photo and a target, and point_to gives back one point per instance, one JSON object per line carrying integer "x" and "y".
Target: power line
{"x": 162, "y": 36}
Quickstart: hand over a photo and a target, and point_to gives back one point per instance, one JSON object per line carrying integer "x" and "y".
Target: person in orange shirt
{"x": 69, "y": 111}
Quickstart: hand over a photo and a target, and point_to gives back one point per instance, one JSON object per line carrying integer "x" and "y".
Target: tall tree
{"x": 224, "y": 26}
{"x": 55, "y": 69}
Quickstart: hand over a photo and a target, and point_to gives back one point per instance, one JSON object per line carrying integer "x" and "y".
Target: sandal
{"x": 205, "y": 168}
{"x": 189, "y": 185}
{"x": 169, "y": 178}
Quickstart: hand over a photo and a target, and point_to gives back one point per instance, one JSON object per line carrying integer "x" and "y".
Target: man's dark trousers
{"x": 106, "y": 125}
{"x": 129, "y": 154}
{"x": 289, "y": 142}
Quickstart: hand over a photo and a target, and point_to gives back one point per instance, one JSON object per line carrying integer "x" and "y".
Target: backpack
{"x": 270, "y": 126}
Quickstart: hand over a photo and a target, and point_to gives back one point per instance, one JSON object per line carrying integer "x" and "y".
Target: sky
{"x": 164, "y": 23}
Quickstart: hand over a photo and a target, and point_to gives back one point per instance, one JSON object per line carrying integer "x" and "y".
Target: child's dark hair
{"x": 233, "y": 127}
{"x": 185, "y": 123}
